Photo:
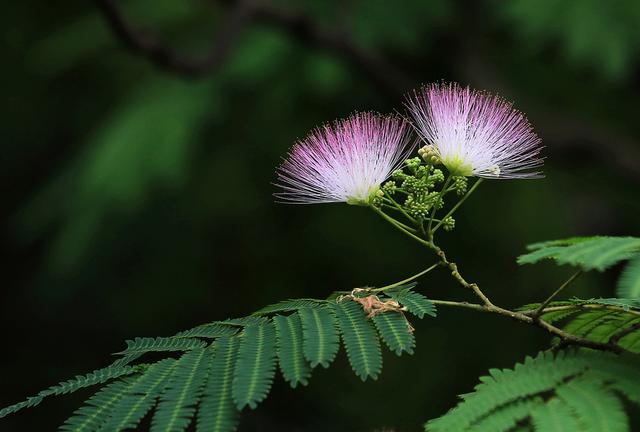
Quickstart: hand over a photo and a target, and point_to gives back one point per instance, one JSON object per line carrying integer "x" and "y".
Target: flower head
{"x": 474, "y": 133}
{"x": 344, "y": 162}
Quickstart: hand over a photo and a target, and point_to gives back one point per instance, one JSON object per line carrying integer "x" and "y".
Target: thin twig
{"x": 458, "y": 204}
{"x": 566, "y": 338}
{"x": 457, "y": 276}
{"x": 404, "y": 281}
{"x": 464, "y": 305}
{"x": 544, "y": 304}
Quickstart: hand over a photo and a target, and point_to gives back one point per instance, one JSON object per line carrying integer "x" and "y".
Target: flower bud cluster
{"x": 460, "y": 184}
{"x": 448, "y": 223}
{"x": 419, "y": 205}
{"x": 417, "y": 183}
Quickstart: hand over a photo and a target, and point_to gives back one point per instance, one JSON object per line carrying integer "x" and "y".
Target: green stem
{"x": 403, "y": 225}
{"x": 399, "y": 226}
{"x": 455, "y": 207}
{"x": 442, "y": 193}
{"x": 399, "y": 207}
{"x": 409, "y": 279}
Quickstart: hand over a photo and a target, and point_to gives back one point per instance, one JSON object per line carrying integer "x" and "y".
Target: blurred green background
{"x": 137, "y": 180}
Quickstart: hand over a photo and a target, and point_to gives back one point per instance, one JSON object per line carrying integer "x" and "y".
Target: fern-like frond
{"x": 415, "y": 302}
{"x": 96, "y": 411}
{"x": 178, "y": 401}
{"x": 214, "y": 380}
{"x": 629, "y": 281}
{"x": 134, "y": 405}
{"x": 577, "y": 390}
{"x": 320, "y": 335}
{"x": 288, "y": 306}
{"x": 502, "y": 387}
{"x": 295, "y": 368}
{"x": 96, "y": 377}
{"x": 395, "y": 331}
{"x": 210, "y": 331}
{"x": 256, "y": 364}
{"x": 595, "y": 253}
{"x": 217, "y": 411}
{"x": 594, "y": 319}
{"x": 360, "y": 340}
{"x": 143, "y": 345}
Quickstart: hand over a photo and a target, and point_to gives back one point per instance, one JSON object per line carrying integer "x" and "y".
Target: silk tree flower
{"x": 346, "y": 161}
{"x": 474, "y": 133}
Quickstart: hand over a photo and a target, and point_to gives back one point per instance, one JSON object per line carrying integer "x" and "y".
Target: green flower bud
{"x": 437, "y": 176}
{"x": 413, "y": 163}
{"x": 398, "y": 175}
{"x": 448, "y": 223}
{"x": 430, "y": 155}
{"x": 460, "y": 184}
{"x": 389, "y": 187}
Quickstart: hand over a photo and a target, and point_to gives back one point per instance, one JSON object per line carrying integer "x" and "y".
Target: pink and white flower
{"x": 475, "y": 133}
{"x": 346, "y": 161}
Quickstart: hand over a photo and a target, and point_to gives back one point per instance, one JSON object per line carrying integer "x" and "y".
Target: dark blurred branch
{"x": 150, "y": 46}
{"x": 390, "y": 79}
{"x": 381, "y": 73}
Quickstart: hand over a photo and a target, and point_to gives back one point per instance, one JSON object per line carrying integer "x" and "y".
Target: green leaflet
{"x": 320, "y": 335}
{"x": 289, "y": 305}
{"x": 97, "y": 409}
{"x": 596, "y": 407}
{"x": 143, "y": 345}
{"x": 255, "y": 367}
{"x": 178, "y": 402}
{"x": 246, "y": 321}
{"x": 622, "y": 375}
{"x": 586, "y": 322}
{"x": 562, "y": 242}
{"x": 629, "y": 281}
{"x": 295, "y": 368}
{"x": 569, "y": 391}
{"x": 395, "y": 332}
{"x": 217, "y": 412}
{"x": 595, "y": 253}
{"x": 552, "y": 317}
{"x": 360, "y": 340}
{"x": 507, "y": 417}
{"x": 212, "y": 330}
{"x": 624, "y": 303}
{"x": 142, "y": 396}
{"x": 554, "y": 416}
{"x": 415, "y": 302}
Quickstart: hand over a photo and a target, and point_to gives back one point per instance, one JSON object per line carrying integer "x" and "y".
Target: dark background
{"x": 137, "y": 161}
